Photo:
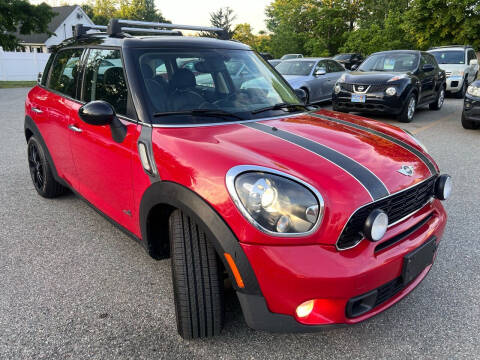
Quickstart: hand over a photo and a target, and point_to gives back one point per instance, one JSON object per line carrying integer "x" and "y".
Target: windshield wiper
{"x": 199, "y": 112}
{"x": 279, "y": 106}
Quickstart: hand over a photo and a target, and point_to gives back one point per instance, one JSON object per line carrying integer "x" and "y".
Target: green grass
{"x": 16, "y": 84}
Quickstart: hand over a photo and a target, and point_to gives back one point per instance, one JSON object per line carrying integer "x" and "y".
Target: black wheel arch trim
{"x": 222, "y": 237}
{"x": 29, "y": 125}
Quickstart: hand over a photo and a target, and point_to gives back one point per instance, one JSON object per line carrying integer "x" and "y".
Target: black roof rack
{"x": 116, "y": 27}
{"x": 120, "y": 28}
{"x": 451, "y": 46}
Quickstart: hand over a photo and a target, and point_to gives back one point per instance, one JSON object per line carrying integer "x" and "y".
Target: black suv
{"x": 392, "y": 82}
{"x": 350, "y": 61}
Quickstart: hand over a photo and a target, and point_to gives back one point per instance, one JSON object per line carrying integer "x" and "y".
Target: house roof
{"x": 62, "y": 12}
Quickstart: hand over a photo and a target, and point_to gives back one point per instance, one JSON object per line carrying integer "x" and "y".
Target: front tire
{"x": 197, "y": 279}
{"x": 438, "y": 103}
{"x": 41, "y": 171}
{"x": 468, "y": 124}
{"x": 408, "y": 111}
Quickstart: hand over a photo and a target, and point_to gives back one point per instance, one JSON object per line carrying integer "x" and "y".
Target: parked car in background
{"x": 266, "y": 56}
{"x": 460, "y": 64}
{"x": 275, "y": 62}
{"x": 471, "y": 107}
{"x": 392, "y": 82}
{"x": 316, "y": 76}
{"x": 291, "y": 56}
{"x": 349, "y": 60}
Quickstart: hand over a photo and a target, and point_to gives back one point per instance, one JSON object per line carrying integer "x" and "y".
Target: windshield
{"x": 341, "y": 57}
{"x": 390, "y": 62}
{"x": 449, "y": 57}
{"x": 295, "y": 67}
{"x": 201, "y": 84}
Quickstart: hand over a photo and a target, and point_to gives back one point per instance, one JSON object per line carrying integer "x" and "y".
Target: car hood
{"x": 452, "y": 67}
{"x": 371, "y": 77}
{"x": 338, "y": 154}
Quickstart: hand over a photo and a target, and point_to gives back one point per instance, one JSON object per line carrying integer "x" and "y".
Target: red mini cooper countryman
{"x": 201, "y": 151}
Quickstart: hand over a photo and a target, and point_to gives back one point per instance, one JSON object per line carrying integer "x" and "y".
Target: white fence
{"x": 16, "y": 66}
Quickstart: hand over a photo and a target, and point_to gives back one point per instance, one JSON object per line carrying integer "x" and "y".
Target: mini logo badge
{"x": 360, "y": 88}
{"x": 406, "y": 170}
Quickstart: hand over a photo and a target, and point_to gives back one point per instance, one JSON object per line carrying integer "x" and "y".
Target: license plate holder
{"x": 417, "y": 260}
{"x": 358, "y": 98}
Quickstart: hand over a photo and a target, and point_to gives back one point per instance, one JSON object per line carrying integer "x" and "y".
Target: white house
{"x": 61, "y": 25}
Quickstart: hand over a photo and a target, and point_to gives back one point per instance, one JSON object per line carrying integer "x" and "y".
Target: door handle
{"x": 37, "y": 110}
{"x": 74, "y": 128}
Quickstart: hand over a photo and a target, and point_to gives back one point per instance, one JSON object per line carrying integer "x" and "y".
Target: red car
{"x": 316, "y": 217}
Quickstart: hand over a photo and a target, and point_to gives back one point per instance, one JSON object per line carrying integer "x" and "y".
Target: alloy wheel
{"x": 37, "y": 168}
{"x": 411, "y": 108}
{"x": 441, "y": 98}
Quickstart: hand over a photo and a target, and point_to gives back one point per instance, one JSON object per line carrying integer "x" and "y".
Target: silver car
{"x": 316, "y": 76}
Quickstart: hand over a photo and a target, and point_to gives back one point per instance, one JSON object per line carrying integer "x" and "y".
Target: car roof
{"x": 305, "y": 59}
{"x": 163, "y": 41}
{"x": 399, "y": 51}
{"x": 450, "y": 48}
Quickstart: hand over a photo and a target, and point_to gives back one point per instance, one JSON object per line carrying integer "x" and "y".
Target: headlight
{"x": 457, "y": 73}
{"x": 337, "y": 88}
{"x": 274, "y": 202}
{"x": 418, "y": 142}
{"x": 473, "y": 90}
{"x": 391, "y": 91}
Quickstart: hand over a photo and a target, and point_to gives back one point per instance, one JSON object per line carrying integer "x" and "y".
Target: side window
{"x": 105, "y": 80}
{"x": 471, "y": 56}
{"x": 65, "y": 72}
{"x": 336, "y": 66}
{"x": 321, "y": 66}
{"x": 430, "y": 59}
{"x": 48, "y": 66}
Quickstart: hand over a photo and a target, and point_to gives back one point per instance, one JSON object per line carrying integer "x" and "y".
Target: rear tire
{"x": 41, "y": 171}
{"x": 408, "y": 110}
{"x": 439, "y": 100}
{"x": 197, "y": 279}
{"x": 468, "y": 124}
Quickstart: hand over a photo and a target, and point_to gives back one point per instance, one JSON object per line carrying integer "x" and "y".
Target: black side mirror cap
{"x": 97, "y": 113}
{"x": 428, "y": 67}
{"x": 301, "y": 94}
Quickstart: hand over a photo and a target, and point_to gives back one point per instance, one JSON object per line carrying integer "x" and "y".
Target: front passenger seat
{"x": 184, "y": 95}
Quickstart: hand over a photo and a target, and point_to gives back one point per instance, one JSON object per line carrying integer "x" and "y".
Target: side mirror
{"x": 474, "y": 62}
{"x": 320, "y": 72}
{"x": 39, "y": 78}
{"x": 97, "y": 112}
{"x": 301, "y": 94}
{"x": 428, "y": 67}
{"x": 354, "y": 67}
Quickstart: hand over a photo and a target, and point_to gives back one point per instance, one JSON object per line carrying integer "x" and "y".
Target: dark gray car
{"x": 316, "y": 76}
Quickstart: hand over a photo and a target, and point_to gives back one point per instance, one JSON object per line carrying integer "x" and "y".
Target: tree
{"x": 21, "y": 16}
{"x": 143, "y": 10}
{"x": 244, "y": 34}
{"x": 222, "y": 18}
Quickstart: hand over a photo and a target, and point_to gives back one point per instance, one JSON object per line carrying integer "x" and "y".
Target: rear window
{"x": 295, "y": 67}
{"x": 65, "y": 72}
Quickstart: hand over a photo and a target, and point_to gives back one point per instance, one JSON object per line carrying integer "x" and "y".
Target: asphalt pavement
{"x": 72, "y": 286}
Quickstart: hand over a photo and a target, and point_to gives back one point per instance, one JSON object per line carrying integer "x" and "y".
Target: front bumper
{"x": 471, "y": 108}
{"x": 374, "y": 103}
{"x": 454, "y": 83}
{"x": 291, "y": 275}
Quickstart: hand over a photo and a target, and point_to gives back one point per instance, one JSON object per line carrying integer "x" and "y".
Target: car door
{"x": 317, "y": 81}
{"x": 59, "y": 100}
{"x": 427, "y": 79}
{"x": 104, "y": 165}
{"x": 334, "y": 71}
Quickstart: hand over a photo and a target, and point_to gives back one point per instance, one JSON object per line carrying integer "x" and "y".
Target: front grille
{"x": 377, "y": 88}
{"x": 369, "y": 88}
{"x": 397, "y": 207}
{"x": 448, "y": 73}
{"x": 347, "y": 87}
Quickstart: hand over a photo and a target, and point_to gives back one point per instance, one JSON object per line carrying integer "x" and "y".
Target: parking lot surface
{"x": 72, "y": 286}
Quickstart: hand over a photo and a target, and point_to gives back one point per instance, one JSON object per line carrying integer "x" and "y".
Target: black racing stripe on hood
{"x": 375, "y": 187}
{"x": 401, "y": 143}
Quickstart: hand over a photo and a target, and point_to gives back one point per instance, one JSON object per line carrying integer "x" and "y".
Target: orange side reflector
{"x": 236, "y": 273}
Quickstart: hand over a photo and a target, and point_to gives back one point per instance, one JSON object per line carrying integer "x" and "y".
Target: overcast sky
{"x": 197, "y": 12}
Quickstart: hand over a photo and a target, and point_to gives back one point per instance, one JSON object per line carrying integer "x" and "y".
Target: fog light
{"x": 376, "y": 225}
{"x": 391, "y": 91}
{"x": 305, "y": 309}
{"x": 443, "y": 187}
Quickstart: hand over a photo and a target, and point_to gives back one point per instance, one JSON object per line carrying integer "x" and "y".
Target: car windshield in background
{"x": 287, "y": 57}
{"x": 341, "y": 57}
{"x": 449, "y": 57}
{"x": 295, "y": 67}
{"x": 390, "y": 62}
{"x": 211, "y": 85}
